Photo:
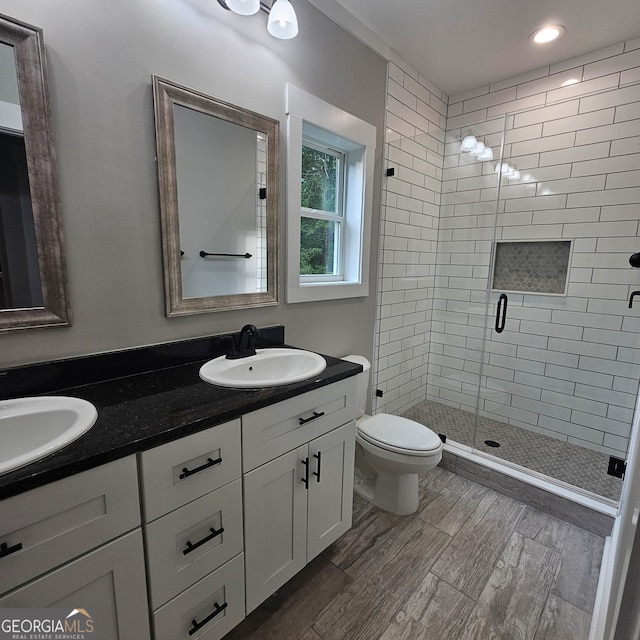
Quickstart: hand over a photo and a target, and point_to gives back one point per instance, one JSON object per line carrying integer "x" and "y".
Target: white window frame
{"x": 308, "y": 116}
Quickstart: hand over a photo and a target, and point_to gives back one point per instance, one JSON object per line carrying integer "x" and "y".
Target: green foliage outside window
{"x": 316, "y": 246}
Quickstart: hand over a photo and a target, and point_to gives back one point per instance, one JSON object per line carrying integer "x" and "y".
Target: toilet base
{"x": 392, "y": 492}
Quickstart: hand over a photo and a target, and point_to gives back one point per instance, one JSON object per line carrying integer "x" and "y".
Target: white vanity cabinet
{"x": 192, "y": 504}
{"x": 300, "y": 499}
{"x": 76, "y": 543}
{"x": 229, "y": 514}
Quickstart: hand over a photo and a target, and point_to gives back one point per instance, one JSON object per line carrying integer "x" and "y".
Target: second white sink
{"x": 268, "y": 368}
{"x": 31, "y": 428}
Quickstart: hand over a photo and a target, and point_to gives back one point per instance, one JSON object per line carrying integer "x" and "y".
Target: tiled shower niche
{"x": 532, "y": 267}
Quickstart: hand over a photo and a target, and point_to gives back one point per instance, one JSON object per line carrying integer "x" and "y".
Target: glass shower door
{"x": 466, "y": 230}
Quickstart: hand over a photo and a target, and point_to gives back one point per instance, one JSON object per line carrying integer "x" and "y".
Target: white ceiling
{"x": 460, "y": 45}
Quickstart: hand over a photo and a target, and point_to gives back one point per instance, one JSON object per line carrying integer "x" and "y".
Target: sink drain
{"x": 492, "y": 443}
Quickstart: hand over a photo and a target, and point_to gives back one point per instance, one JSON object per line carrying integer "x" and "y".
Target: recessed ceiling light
{"x": 547, "y": 34}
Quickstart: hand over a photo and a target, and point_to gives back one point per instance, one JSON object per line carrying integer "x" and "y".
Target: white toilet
{"x": 390, "y": 453}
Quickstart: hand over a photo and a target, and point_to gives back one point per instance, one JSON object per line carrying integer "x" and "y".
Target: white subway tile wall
{"x": 565, "y": 366}
{"x": 414, "y": 148}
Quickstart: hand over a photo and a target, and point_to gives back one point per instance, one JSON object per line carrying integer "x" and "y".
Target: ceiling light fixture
{"x": 282, "y": 22}
{"x": 547, "y": 34}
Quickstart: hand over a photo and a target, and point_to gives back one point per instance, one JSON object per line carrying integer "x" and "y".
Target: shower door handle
{"x": 501, "y": 313}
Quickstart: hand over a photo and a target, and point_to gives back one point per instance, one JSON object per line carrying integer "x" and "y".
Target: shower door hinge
{"x": 617, "y": 467}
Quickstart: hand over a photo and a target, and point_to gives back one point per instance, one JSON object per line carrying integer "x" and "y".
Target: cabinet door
{"x": 275, "y": 515}
{"x": 331, "y": 462}
{"x": 60, "y": 521}
{"x": 106, "y": 586}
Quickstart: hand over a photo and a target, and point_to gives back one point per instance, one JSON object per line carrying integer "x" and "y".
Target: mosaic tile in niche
{"x": 532, "y": 267}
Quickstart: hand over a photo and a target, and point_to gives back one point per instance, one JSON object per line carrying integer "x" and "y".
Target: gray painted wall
{"x": 101, "y": 56}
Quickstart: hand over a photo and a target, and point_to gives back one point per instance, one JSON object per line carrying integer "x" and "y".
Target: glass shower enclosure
{"x": 534, "y": 341}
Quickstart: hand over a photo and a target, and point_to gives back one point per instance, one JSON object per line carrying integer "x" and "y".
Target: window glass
{"x": 321, "y": 198}
{"x": 318, "y": 247}
{"x": 320, "y": 179}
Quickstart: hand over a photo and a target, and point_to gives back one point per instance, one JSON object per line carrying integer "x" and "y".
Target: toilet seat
{"x": 400, "y": 435}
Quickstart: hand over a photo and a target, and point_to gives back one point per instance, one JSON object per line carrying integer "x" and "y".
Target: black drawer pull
{"x": 305, "y": 462}
{"x": 198, "y": 625}
{"x": 318, "y": 457}
{"x": 192, "y": 546}
{"x": 6, "y": 550}
{"x": 189, "y": 472}
{"x": 315, "y": 416}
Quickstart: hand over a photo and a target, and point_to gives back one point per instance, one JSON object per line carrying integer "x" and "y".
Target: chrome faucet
{"x": 244, "y": 346}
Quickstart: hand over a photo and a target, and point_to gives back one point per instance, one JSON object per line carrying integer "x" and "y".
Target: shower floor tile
{"x": 570, "y": 463}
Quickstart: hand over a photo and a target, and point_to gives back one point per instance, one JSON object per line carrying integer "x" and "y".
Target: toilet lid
{"x": 393, "y": 431}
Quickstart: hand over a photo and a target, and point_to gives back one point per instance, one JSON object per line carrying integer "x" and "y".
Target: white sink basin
{"x": 31, "y": 428}
{"x": 268, "y": 368}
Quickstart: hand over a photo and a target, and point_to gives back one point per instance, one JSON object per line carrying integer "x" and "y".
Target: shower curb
{"x": 536, "y": 497}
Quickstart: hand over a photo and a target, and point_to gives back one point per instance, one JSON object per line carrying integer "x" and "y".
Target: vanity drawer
{"x": 221, "y": 591}
{"x": 181, "y": 471}
{"x": 57, "y": 522}
{"x": 269, "y": 432}
{"x": 184, "y": 546}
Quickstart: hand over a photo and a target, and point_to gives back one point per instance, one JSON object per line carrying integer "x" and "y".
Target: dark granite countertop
{"x": 147, "y": 409}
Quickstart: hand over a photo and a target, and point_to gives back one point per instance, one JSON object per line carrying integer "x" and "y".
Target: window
{"x": 322, "y": 205}
{"x": 330, "y": 179}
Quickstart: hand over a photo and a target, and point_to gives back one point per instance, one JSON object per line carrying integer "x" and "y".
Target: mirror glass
{"x": 19, "y": 271}
{"x": 32, "y": 274}
{"x": 217, "y": 167}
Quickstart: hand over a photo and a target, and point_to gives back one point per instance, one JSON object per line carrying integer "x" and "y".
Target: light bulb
{"x": 243, "y": 7}
{"x": 479, "y": 148}
{"x": 468, "y": 144}
{"x": 487, "y": 154}
{"x": 282, "y": 22}
{"x": 547, "y": 34}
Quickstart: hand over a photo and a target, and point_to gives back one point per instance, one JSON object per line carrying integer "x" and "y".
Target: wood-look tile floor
{"x": 471, "y": 564}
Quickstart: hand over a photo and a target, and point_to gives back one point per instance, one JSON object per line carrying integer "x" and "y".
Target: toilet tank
{"x": 362, "y": 381}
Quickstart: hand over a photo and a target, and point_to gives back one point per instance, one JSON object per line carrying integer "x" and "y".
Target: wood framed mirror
{"x": 33, "y": 284}
{"x": 218, "y": 186}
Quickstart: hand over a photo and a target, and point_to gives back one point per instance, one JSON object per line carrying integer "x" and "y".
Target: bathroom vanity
{"x": 185, "y": 506}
